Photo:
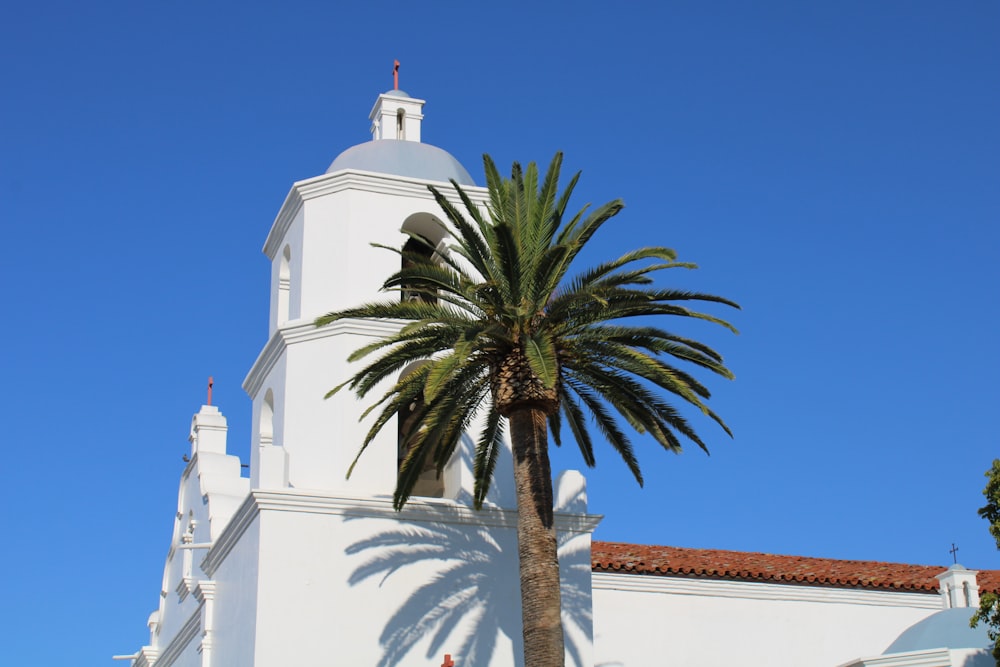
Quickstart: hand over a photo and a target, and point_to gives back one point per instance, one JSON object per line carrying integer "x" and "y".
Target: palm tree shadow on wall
{"x": 471, "y": 595}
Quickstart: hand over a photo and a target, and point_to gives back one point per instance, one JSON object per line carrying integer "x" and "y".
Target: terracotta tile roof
{"x": 988, "y": 580}
{"x": 717, "y": 564}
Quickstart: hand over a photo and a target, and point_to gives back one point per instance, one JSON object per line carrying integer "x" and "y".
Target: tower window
{"x": 266, "y": 427}
{"x": 423, "y": 249}
{"x": 284, "y": 285}
{"x": 400, "y": 124}
{"x": 430, "y": 484}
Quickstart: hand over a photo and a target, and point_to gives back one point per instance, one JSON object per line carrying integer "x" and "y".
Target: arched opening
{"x": 430, "y": 484}
{"x": 284, "y": 284}
{"x": 266, "y": 427}
{"x": 400, "y": 124}
{"x": 425, "y": 233}
{"x": 423, "y": 249}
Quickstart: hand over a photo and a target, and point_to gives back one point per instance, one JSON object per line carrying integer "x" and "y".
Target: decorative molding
{"x": 939, "y": 657}
{"x": 436, "y": 510}
{"x": 303, "y": 331}
{"x": 185, "y": 587}
{"x": 241, "y": 520}
{"x": 360, "y": 181}
{"x": 382, "y": 184}
{"x": 204, "y": 590}
{"x": 286, "y": 214}
{"x": 759, "y": 590}
{"x": 429, "y": 510}
{"x": 187, "y": 473}
{"x": 180, "y": 641}
{"x": 146, "y": 657}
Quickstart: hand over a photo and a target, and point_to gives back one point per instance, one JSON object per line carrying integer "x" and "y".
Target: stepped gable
{"x": 749, "y": 566}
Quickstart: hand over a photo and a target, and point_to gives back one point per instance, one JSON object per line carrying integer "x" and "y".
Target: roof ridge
{"x": 659, "y": 560}
{"x": 765, "y": 553}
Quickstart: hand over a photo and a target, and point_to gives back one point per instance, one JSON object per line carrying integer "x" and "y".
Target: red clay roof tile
{"x": 988, "y": 580}
{"x": 718, "y": 564}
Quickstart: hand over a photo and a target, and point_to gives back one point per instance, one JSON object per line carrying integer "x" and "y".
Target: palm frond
{"x": 540, "y": 350}
{"x": 578, "y": 425}
{"x": 488, "y": 448}
{"x": 503, "y": 282}
{"x": 609, "y": 428}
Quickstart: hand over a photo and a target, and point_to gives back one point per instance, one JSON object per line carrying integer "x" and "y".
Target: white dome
{"x": 403, "y": 158}
{"x": 945, "y": 629}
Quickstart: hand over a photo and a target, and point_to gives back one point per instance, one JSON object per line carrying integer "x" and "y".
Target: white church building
{"x": 296, "y": 565}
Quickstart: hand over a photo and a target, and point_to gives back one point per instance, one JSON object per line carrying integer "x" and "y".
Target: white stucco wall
{"x": 712, "y": 623}
{"x": 303, "y": 578}
{"x": 237, "y": 576}
{"x": 329, "y": 223}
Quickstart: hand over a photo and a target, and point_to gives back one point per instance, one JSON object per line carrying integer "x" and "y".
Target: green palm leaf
{"x": 503, "y": 339}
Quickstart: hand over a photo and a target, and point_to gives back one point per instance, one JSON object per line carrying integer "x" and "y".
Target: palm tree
{"x": 504, "y": 330}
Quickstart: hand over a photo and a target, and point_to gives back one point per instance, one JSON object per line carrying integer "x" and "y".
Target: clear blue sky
{"x": 834, "y": 167}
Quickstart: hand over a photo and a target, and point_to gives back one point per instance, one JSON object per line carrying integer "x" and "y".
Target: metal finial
{"x": 210, "y": 382}
{"x": 395, "y": 75}
{"x": 953, "y": 551}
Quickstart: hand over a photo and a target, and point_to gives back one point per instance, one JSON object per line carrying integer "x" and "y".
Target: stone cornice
{"x": 301, "y": 331}
{"x": 362, "y": 181}
{"x": 429, "y": 510}
{"x": 758, "y": 590}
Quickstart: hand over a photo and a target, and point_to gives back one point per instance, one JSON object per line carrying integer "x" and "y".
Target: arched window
{"x": 423, "y": 249}
{"x": 284, "y": 284}
{"x": 266, "y": 428}
{"x": 400, "y": 124}
{"x": 430, "y": 484}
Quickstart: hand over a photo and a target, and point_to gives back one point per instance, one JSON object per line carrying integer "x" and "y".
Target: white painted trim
{"x": 361, "y": 181}
{"x": 286, "y": 214}
{"x": 760, "y": 590}
{"x": 301, "y": 331}
{"x": 242, "y": 518}
{"x": 146, "y": 657}
{"x": 205, "y": 592}
{"x": 427, "y": 510}
{"x": 938, "y": 657}
{"x": 180, "y": 641}
{"x": 185, "y": 586}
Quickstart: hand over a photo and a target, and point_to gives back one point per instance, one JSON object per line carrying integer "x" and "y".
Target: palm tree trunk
{"x": 536, "y": 540}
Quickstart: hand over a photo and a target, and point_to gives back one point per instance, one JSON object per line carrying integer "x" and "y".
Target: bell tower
{"x": 299, "y": 565}
{"x": 396, "y": 115}
{"x": 322, "y": 259}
